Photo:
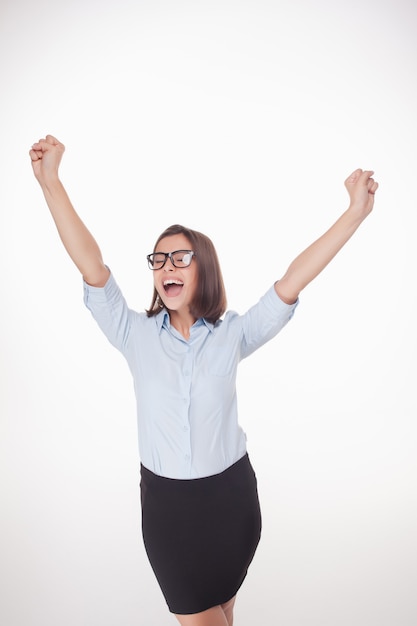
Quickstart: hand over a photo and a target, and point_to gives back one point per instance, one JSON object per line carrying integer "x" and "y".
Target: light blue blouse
{"x": 186, "y": 389}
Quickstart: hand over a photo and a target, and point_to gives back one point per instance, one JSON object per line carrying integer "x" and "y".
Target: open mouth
{"x": 173, "y": 287}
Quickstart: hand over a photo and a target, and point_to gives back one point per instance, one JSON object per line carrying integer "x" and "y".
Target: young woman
{"x": 201, "y": 520}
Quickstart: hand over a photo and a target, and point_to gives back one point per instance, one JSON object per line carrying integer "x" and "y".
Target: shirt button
{"x": 186, "y": 373}
{"x": 185, "y": 428}
{"x": 187, "y": 457}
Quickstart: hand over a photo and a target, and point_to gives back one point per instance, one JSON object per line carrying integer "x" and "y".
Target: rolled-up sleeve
{"x": 110, "y": 310}
{"x": 264, "y": 320}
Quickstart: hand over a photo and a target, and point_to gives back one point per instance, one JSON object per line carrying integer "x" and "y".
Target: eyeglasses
{"x": 179, "y": 258}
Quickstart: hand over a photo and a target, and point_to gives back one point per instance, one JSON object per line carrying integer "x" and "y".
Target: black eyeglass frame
{"x": 169, "y": 255}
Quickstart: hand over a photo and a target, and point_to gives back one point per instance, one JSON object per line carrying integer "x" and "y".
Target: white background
{"x": 240, "y": 119}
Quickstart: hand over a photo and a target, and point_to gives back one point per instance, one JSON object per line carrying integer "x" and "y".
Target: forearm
{"x": 78, "y": 241}
{"x": 307, "y": 265}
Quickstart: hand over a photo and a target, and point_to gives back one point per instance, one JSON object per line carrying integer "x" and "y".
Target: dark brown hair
{"x": 210, "y": 297}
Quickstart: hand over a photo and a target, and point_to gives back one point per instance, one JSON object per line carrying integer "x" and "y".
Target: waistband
{"x": 232, "y": 469}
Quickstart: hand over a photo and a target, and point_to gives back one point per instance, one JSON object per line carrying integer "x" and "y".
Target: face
{"x": 176, "y": 286}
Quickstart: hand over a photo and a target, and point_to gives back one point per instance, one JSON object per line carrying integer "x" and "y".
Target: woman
{"x": 201, "y": 520}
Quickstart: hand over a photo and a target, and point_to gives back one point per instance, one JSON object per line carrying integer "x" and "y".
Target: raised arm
{"x": 46, "y": 156}
{"x": 361, "y": 188}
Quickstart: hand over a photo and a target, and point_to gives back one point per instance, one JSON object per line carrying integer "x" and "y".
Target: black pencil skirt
{"x": 201, "y": 535}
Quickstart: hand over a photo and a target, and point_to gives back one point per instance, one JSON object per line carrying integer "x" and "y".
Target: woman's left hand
{"x": 361, "y": 188}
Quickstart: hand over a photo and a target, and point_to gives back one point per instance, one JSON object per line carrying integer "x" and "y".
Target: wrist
{"x": 50, "y": 184}
{"x": 358, "y": 212}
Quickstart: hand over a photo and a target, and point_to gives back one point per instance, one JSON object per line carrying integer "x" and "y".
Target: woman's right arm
{"x": 46, "y": 156}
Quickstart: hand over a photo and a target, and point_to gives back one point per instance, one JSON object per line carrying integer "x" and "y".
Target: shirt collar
{"x": 162, "y": 319}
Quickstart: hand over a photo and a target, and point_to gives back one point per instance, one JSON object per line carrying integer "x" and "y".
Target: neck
{"x": 181, "y": 322}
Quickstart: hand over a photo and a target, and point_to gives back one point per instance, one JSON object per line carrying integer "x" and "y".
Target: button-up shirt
{"x": 186, "y": 388}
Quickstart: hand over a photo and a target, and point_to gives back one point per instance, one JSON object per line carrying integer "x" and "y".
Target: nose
{"x": 169, "y": 266}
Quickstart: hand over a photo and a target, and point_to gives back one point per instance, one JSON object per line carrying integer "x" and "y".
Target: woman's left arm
{"x": 361, "y": 188}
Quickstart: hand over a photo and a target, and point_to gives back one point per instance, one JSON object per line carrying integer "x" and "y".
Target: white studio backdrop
{"x": 242, "y": 120}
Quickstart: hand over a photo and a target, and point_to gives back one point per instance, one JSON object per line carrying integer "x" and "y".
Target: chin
{"x": 171, "y": 306}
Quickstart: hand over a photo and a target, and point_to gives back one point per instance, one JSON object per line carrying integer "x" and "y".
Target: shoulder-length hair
{"x": 210, "y": 296}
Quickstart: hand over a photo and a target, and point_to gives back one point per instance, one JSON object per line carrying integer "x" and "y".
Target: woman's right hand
{"x": 46, "y": 155}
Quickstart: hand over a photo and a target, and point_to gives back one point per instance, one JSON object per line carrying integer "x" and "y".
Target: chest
{"x": 168, "y": 360}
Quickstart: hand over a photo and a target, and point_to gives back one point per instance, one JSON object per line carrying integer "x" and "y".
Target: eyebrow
{"x": 172, "y": 251}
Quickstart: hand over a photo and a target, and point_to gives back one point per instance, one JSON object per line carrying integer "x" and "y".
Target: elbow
{"x": 97, "y": 277}
{"x": 287, "y": 291}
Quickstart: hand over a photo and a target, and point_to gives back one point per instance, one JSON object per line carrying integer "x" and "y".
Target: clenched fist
{"x": 361, "y": 188}
{"x": 46, "y": 155}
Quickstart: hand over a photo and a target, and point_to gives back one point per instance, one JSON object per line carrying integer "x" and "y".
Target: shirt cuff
{"x": 100, "y": 294}
{"x": 273, "y": 300}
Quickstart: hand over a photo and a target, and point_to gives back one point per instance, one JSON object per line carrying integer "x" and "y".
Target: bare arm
{"x": 46, "y": 156}
{"x": 361, "y": 188}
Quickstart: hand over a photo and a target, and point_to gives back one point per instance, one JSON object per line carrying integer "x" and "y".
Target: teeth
{"x": 172, "y": 282}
